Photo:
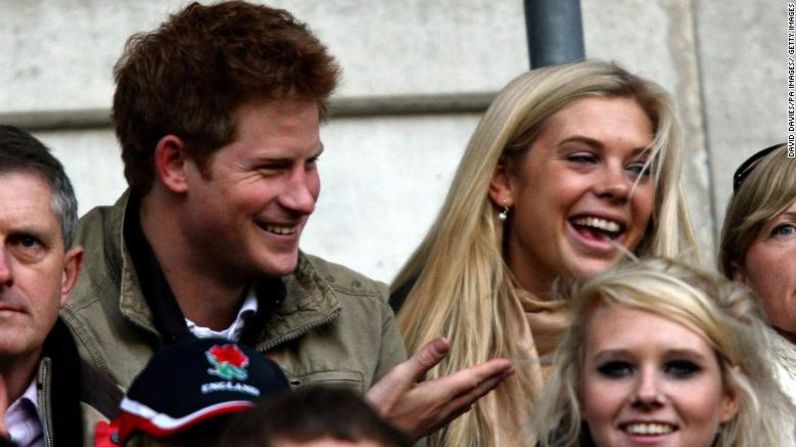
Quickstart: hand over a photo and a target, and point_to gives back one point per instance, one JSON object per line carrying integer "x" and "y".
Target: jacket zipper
{"x": 44, "y": 402}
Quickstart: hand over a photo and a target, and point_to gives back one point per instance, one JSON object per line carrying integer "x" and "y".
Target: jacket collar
{"x": 307, "y": 300}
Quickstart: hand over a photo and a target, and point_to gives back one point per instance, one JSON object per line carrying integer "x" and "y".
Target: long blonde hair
{"x": 724, "y": 313}
{"x": 461, "y": 284}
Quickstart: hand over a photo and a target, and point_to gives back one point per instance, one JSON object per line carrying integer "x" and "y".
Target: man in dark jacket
{"x": 39, "y": 362}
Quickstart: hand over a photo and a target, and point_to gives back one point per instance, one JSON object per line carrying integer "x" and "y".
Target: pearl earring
{"x": 503, "y": 215}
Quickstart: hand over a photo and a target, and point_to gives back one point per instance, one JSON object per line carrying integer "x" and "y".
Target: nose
{"x": 301, "y": 191}
{"x": 614, "y": 184}
{"x": 6, "y": 271}
{"x": 648, "y": 393}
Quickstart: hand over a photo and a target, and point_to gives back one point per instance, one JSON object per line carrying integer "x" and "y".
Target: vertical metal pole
{"x": 555, "y": 31}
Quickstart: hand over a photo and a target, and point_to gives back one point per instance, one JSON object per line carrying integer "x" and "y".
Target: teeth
{"x": 280, "y": 229}
{"x": 596, "y": 222}
{"x": 649, "y": 429}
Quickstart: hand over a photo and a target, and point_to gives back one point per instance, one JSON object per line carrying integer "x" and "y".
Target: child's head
{"x": 187, "y": 391}
{"x": 312, "y": 417}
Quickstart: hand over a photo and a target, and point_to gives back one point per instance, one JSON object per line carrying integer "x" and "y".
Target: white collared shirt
{"x": 22, "y": 419}
{"x": 234, "y": 331}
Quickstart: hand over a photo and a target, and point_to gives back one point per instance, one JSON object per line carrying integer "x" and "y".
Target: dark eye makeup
{"x": 678, "y": 369}
{"x": 681, "y": 369}
{"x": 615, "y": 369}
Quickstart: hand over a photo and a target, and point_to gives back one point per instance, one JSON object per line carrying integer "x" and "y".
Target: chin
{"x": 592, "y": 268}
{"x": 278, "y": 266}
{"x": 15, "y": 347}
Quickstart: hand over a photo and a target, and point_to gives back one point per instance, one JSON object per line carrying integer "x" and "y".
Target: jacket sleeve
{"x": 392, "y": 346}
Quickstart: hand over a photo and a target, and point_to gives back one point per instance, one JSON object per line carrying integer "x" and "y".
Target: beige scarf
{"x": 541, "y": 325}
{"x": 547, "y": 321}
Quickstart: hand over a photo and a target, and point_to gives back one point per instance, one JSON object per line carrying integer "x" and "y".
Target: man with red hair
{"x": 218, "y": 114}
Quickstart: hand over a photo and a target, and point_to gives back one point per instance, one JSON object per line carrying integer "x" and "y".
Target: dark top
{"x": 167, "y": 316}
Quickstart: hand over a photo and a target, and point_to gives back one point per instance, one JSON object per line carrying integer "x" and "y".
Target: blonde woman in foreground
{"x": 660, "y": 353}
{"x": 571, "y": 166}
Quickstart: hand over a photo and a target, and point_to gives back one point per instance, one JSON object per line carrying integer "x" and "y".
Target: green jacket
{"x": 334, "y": 325}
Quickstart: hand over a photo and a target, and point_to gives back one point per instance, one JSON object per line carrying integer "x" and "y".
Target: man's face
{"x": 247, "y": 206}
{"x": 36, "y": 275}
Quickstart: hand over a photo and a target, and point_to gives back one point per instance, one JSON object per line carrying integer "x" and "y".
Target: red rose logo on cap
{"x": 228, "y": 361}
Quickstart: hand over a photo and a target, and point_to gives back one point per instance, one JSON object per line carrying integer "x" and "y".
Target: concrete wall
{"x": 383, "y": 176}
{"x": 743, "y": 65}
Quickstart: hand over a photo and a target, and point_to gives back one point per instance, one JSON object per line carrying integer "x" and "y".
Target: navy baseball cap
{"x": 191, "y": 382}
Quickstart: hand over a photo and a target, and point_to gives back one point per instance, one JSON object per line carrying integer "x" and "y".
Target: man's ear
{"x": 171, "y": 162}
{"x": 73, "y": 261}
{"x": 500, "y": 185}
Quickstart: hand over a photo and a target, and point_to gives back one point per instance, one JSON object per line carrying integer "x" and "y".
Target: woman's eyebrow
{"x": 685, "y": 352}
